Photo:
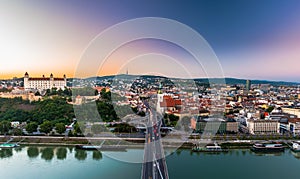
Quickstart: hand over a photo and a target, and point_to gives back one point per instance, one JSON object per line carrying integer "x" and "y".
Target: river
{"x": 67, "y": 162}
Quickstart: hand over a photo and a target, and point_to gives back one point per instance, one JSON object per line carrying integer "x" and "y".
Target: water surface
{"x": 67, "y": 162}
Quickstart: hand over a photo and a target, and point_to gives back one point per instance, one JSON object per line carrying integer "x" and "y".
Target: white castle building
{"x": 44, "y": 83}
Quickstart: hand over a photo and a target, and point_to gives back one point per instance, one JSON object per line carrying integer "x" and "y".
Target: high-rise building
{"x": 248, "y": 85}
{"x": 44, "y": 83}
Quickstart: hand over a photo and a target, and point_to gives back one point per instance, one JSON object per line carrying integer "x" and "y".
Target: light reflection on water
{"x": 67, "y": 162}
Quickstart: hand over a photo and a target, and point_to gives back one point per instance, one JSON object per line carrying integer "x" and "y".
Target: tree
{"x": 98, "y": 128}
{"x": 270, "y": 109}
{"x": 185, "y": 122}
{"x": 16, "y": 131}
{"x": 79, "y": 128}
{"x": 48, "y": 91}
{"x": 37, "y": 93}
{"x": 5, "y": 127}
{"x": 105, "y": 95}
{"x": 54, "y": 91}
{"x": 60, "y": 127}
{"x": 31, "y": 127}
{"x": 106, "y": 111}
{"x": 173, "y": 118}
{"x": 67, "y": 92}
{"x": 46, "y": 127}
{"x": 60, "y": 92}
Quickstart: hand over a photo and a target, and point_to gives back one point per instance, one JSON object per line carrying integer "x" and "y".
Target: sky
{"x": 258, "y": 39}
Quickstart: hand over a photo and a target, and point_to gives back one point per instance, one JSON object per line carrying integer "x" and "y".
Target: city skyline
{"x": 253, "y": 40}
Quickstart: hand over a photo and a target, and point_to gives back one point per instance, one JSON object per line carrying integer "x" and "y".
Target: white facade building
{"x": 44, "y": 83}
{"x": 261, "y": 126}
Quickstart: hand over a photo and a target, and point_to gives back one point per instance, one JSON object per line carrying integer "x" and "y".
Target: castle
{"x": 44, "y": 83}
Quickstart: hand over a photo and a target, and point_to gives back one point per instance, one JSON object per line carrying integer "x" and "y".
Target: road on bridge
{"x": 154, "y": 166}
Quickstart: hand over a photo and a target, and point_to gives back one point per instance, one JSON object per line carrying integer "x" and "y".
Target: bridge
{"x": 154, "y": 166}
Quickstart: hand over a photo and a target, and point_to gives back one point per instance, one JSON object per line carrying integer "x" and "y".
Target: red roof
{"x": 294, "y": 120}
{"x": 167, "y": 97}
{"x": 168, "y": 103}
{"x": 178, "y": 102}
{"x": 40, "y": 79}
{"x": 59, "y": 79}
{"x": 99, "y": 88}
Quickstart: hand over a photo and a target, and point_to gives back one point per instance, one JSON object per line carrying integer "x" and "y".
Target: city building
{"x": 292, "y": 110}
{"x": 248, "y": 85}
{"x": 261, "y": 126}
{"x": 294, "y": 126}
{"x": 44, "y": 83}
{"x": 208, "y": 125}
{"x": 232, "y": 126}
{"x": 168, "y": 104}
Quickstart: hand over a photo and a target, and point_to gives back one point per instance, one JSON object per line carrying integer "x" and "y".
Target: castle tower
{"x": 51, "y": 81}
{"x": 26, "y": 83}
{"x": 65, "y": 79}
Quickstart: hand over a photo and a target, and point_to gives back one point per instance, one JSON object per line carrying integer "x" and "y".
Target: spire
{"x": 51, "y": 75}
{"x": 26, "y": 75}
{"x": 159, "y": 89}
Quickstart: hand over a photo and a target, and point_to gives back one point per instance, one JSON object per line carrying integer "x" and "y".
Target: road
{"x": 154, "y": 166}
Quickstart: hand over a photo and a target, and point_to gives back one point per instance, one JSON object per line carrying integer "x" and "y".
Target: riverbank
{"x": 113, "y": 141}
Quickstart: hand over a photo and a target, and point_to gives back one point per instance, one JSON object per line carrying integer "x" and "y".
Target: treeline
{"x": 56, "y": 109}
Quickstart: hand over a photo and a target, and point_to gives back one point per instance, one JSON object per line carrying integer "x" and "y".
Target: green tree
{"x": 270, "y": 109}
{"x": 98, "y": 128}
{"x": 173, "y": 118}
{"x": 60, "y": 92}
{"x": 106, "y": 111}
{"x": 16, "y": 131}
{"x": 60, "y": 128}
{"x": 105, "y": 95}
{"x": 54, "y": 91}
{"x": 70, "y": 134}
{"x": 31, "y": 127}
{"x": 79, "y": 128}
{"x": 5, "y": 127}
{"x": 185, "y": 122}
{"x": 46, "y": 127}
{"x": 37, "y": 93}
{"x": 48, "y": 91}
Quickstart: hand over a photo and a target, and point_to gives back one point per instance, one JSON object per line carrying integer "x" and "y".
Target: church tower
{"x": 160, "y": 98}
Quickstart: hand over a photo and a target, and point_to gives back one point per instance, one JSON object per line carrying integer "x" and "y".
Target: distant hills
{"x": 232, "y": 81}
{"x": 229, "y": 81}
